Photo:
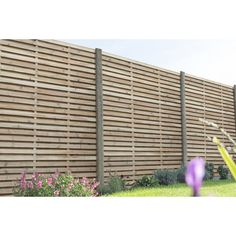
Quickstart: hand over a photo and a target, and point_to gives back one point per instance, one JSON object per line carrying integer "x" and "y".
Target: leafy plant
{"x": 226, "y": 157}
{"x": 115, "y": 184}
{"x": 166, "y": 177}
{"x": 223, "y": 172}
{"x": 209, "y": 171}
{"x": 180, "y": 174}
{"x": 104, "y": 189}
{"x": 56, "y": 185}
{"x": 224, "y": 153}
{"x": 146, "y": 181}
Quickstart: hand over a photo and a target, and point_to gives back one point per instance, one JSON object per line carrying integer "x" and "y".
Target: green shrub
{"x": 223, "y": 172}
{"x": 209, "y": 171}
{"x": 57, "y": 184}
{"x": 146, "y": 181}
{"x": 114, "y": 184}
{"x": 104, "y": 189}
{"x": 166, "y": 177}
{"x": 180, "y": 174}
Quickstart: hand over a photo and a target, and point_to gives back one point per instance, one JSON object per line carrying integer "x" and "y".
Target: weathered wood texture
{"x": 99, "y": 114}
{"x": 47, "y": 107}
{"x": 211, "y": 101}
{"x": 142, "y": 118}
{"x": 48, "y": 115}
{"x": 183, "y": 119}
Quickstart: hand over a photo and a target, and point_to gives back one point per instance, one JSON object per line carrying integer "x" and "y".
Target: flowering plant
{"x": 55, "y": 185}
{"x": 194, "y": 174}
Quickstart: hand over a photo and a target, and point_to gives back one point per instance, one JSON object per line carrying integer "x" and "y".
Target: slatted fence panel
{"x": 118, "y": 122}
{"x": 213, "y": 102}
{"x": 157, "y": 103}
{"x": 142, "y": 118}
{"x": 47, "y": 107}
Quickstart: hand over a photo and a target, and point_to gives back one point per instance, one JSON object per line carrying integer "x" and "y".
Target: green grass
{"x": 214, "y": 188}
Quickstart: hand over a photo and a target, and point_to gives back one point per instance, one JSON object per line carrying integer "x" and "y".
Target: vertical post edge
{"x": 183, "y": 119}
{"x": 99, "y": 118}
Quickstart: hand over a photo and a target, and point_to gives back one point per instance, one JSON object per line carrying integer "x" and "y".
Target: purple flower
{"x": 195, "y": 174}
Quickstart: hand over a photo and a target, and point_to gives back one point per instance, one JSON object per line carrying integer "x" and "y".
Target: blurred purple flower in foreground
{"x": 195, "y": 174}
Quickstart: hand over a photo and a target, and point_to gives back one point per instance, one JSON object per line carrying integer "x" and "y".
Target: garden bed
{"x": 210, "y": 188}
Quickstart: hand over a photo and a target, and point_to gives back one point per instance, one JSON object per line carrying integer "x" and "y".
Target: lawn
{"x": 213, "y": 188}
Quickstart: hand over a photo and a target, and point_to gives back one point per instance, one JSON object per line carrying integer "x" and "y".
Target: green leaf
{"x": 226, "y": 157}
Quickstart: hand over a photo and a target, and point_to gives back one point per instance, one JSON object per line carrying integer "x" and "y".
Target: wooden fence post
{"x": 183, "y": 119}
{"x": 99, "y": 118}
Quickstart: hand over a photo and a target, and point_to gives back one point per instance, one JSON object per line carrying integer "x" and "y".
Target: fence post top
{"x": 98, "y": 49}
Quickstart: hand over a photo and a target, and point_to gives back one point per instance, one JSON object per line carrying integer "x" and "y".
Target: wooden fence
{"x": 70, "y": 108}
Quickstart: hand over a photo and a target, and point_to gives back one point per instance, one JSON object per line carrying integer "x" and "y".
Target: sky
{"x": 210, "y": 59}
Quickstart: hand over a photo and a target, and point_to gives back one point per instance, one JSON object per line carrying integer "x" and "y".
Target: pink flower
{"x": 49, "y": 181}
{"x": 33, "y": 177}
{"x": 23, "y": 185}
{"x": 40, "y": 184}
{"x": 30, "y": 185}
{"x": 23, "y": 181}
{"x": 85, "y": 181}
{"x": 55, "y": 175}
{"x": 56, "y": 193}
{"x": 70, "y": 186}
{"x": 94, "y": 186}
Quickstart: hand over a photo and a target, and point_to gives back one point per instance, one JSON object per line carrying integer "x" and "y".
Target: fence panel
{"x": 211, "y": 101}
{"x": 142, "y": 118}
{"x": 49, "y": 113}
